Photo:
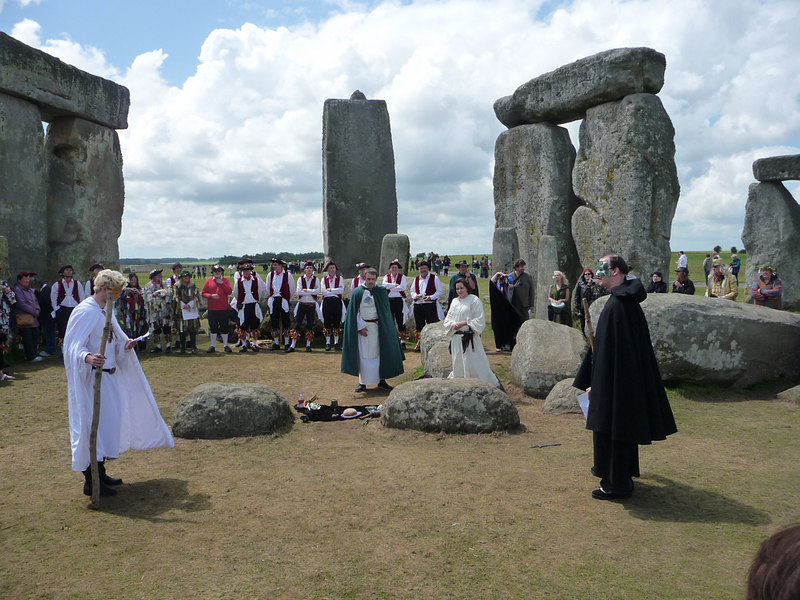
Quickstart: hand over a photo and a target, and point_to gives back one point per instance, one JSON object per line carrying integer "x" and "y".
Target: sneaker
{"x": 45, "y": 354}
{"x": 37, "y": 359}
{"x": 155, "y": 350}
{"x": 212, "y": 350}
{"x": 228, "y": 349}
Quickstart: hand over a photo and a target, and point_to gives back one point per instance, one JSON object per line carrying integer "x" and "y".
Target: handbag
{"x": 24, "y": 319}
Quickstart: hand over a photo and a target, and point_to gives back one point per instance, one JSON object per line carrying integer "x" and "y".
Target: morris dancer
{"x": 307, "y": 306}
{"x": 425, "y": 292}
{"x": 395, "y": 283}
{"x": 157, "y": 302}
{"x": 359, "y": 279}
{"x": 247, "y": 291}
{"x": 94, "y": 270}
{"x": 333, "y": 308}
{"x": 186, "y": 310}
{"x": 65, "y": 295}
{"x": 279, "y": 288}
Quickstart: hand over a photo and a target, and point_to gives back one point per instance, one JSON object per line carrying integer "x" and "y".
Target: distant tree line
{"x": 228, "y": 259}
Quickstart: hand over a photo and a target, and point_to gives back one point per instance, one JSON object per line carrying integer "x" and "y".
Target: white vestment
{"x": 369, "y": 348}
{"x": 472, "y": 362}
{"x": 129, "y": 415}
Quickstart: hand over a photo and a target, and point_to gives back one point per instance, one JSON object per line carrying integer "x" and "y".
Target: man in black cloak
{"x": 628, "y": 405}
{"x": 506, "y": 318}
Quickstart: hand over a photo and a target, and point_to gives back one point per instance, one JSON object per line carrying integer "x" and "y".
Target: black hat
{"x": 64, "y": 268}
{"x": 155, "y": 272}
{"x": 424, "y": 262}
{"x": 462, "y": 263}
{"x": 309, "y": 263}
{"x": 246, "y": 267}
{"x": 362, "y": 265}
{"x": 329, "y": 263}
{"x": 244, "y": 261}
{"x": 96, "y": 266}
{"x": 396, "y": 261}
{"x": 277, "y": 261}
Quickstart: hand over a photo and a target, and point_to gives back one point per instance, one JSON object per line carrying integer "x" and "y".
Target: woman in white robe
{"x": 464, "y": 323}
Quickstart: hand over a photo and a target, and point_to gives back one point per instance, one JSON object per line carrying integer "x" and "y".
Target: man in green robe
{"x": 370, "y": 349}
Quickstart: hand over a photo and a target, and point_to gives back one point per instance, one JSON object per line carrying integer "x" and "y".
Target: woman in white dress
{"x": 464, "y": 324}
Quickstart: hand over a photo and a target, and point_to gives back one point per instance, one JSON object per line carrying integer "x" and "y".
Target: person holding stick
{"x": 128, "y": 414}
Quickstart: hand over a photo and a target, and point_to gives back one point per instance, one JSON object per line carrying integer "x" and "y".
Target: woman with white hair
{"x": 129, "y": 415}
{"x": 558, "y": 309}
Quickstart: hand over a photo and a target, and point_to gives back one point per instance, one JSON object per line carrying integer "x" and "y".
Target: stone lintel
{"x": 59, "y": 89}
{"x": 565, "y": 94}
{"x": 777, "y": 168}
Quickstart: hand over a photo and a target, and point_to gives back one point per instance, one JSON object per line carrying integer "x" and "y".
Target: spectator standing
{"x": 7, "y": 300}
{"x": 216, "y": 291}
{"x": 157, "y": 303}
{"x": 26, "y": 313}
{"x": 587, "y": 288}
{"x": 521, "y": 285}
{"x": 558, "y": 304}
{"x": 657, "y": 284}
{"x": 708, "y": 263}
{"x": 767, "y": 290}
{"x": 682, "y": 283}
{"x": 130, "y": 310}
{"x": 47, "y": 324}
{"x": 683, "y": 261}
{"x": 722, "y": 285}
{"x": 736, "y": 264}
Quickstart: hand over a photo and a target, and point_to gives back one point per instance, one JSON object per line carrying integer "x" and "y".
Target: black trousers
{"x": 425, "y": 314}
{"x": 250, "y": 321}
{"x": 30, "y": 341}
{"x": 332, "y": 313}
{"x": 62, "y": 316}
{"x": 218, "y": 321}
{"x": 279, "y": 317}
{"x": 396, "y": 306}
{"x": 615, "y": 462}
{"x": 307, "y": 312}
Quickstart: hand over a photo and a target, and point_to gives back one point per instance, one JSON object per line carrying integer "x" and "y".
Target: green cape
{"x": 391, "y": 355}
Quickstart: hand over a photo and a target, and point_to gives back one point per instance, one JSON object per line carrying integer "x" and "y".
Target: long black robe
{"x": 627, "y": 401}
{"x": 506, "y": 318}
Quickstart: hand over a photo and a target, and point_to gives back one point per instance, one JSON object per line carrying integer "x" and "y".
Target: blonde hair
{"x": 109, "y": 279}
{"x": 564, "y": 280}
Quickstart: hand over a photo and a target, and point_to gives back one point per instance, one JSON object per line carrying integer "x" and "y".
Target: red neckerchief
{"x": 309, "y": 287}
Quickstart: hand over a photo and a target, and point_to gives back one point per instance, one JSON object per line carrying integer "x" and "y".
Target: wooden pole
{"x": 588, "y": 323}
{"x": 98, "y": 379}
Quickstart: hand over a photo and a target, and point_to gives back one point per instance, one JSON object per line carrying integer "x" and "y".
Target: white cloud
{"x": 237, "y": 146}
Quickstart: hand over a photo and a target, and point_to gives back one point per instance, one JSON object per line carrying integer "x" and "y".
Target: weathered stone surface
{"x": 359, "y": 202}
{"x": 59, "y": 89}
{"x": 533, "y": 193}
{"x": 545, "y": 354}
{"x": 625, "y": 173}
{"x": 435, "y": 347}
{"x": 713, "y": 341}
{"x": 777, "y": 168}
{"x": 547, "y": 263}
{"x": 568, "y": 92}
{"x": 771, "y": 235}
{"x": 792, "y": 394}
{"x": 562, "y": 399}
{"x": 449, "y": 405}
{"x": 23, "y": 203}
{"x": 225, "y": 410}
{"x": 505, "y": 249}
{"x": 85, "y": 194}
{"x": 394, "y": 246}
{"x": 6, "y": 272}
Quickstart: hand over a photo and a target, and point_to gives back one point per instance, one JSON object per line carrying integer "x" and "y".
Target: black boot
{"x": 108, "y": 480}
{"x": 87, "y": 485}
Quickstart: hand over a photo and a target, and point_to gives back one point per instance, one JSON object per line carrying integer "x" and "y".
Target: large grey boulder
{"x": 59, "y": 89}
{"x": 23, "y": 171}
{"x": 533, "y": 193}
{"x": 359, "y": 198}
{"x": 625, "y": 173}
{"x": 225, "y": 410}
{"x": 85, "y": 194}
{"x": 449, "y": 405}
{"x": 771, "y": 235}
{"x": 394, "y": 246}
{"x": 562, "y": 399}
{"x": 545, "y": 354}
{"x": 435, "y": 347}
{"x": 777, "y": 168}
{"x": 568, "y": 92}
{"x": 714, "y": 341}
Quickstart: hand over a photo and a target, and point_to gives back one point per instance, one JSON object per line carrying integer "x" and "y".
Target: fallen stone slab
{"x": 449, "y": 406}
{"x": 565, "y": 94}
{"x": 712, "y": 341}
{"x": 777, "y": 168}
{"x": 562, "y": 399}
{"x": 59, "y": 89}
{"x": 792, "y": 394}
{"x": 225, "y": 410}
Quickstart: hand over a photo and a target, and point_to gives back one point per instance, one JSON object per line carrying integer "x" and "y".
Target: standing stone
{"x": 359, "y": 202}
{"x": 394, "y": 246}
{"x": 505, "y": 249}
{"x": 777, "y": 168}
{"x": 568, "y": 92}
{"x": 533, "y": 191}
{"x": 85, "y": 194}
{"x": 23, "y": 204}
{"x": 771, "y": 235}
{"x": 625, "y": 173}
{"x": 6, "y": 272}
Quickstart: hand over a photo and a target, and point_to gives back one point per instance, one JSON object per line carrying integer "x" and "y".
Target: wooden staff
{"x": 588, "y": 323}
{"x": 98, "y": 378}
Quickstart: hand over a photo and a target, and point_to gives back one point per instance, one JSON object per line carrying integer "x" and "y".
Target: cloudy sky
{"x": 223, "y": 150}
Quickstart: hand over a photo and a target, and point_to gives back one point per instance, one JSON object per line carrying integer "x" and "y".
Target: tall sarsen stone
{"x": 359, "y": 204}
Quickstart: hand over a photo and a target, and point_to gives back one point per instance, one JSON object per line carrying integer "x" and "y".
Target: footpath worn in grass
{"x": 354, "y": 510}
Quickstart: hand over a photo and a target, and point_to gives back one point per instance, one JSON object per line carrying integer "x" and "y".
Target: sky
{"x": 223, "y": 153}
